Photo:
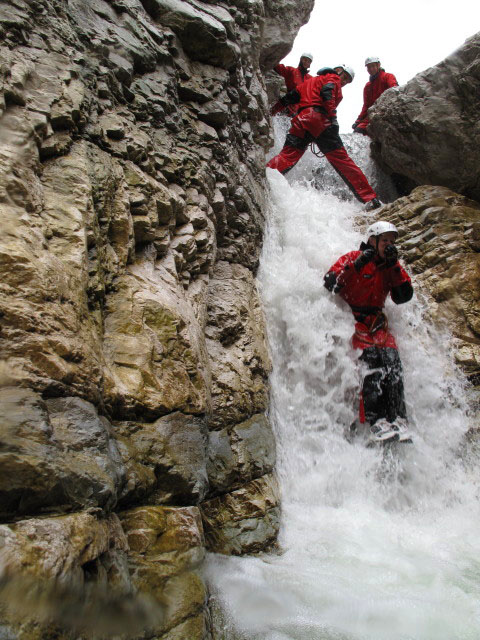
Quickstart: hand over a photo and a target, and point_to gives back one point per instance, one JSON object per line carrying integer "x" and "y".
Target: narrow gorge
{"x": 145, "y": 337}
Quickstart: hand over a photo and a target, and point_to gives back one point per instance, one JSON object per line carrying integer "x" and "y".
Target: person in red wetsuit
{"x": 316, "y": 121}
{"x": 364, "y": 279}
{"x": 294, "y": 77}
{"x": 379, "y": 82}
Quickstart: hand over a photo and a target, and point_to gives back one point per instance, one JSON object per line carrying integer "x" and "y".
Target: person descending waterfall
{"x": 294, "y": 77}
{"x": 379, "y": 82}
{"x": 316, "y": 121}
{"x": 364, "y": 279}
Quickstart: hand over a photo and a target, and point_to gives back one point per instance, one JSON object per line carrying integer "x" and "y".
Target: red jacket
{"x": 366, "y": 291}
{"x": 293, "y": 76}
{"x": 374, "y": 89}
{"x": 322, "y": 91}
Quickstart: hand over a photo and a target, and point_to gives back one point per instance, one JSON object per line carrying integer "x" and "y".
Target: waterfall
{"x": 374, "y": 544}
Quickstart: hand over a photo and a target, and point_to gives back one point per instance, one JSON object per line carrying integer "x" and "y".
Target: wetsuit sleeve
{"x": 340, "y": 273}
{"x": 288, "y": 74}
{"x": 390, "y": 81}
{"x": 363, "y": 112}
{"x": 401, "y": 286}
{"x": 329, "y": 95}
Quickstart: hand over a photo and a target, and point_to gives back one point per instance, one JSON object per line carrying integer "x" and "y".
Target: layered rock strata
{"x": 440, "y": 243}
{"x": 428, "y": 129}
{"x": 134, "y": 372}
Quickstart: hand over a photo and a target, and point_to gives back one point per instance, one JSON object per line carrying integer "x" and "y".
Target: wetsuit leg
{"x": 362, "y": 127}
{"x": 393, "y": 385}
{"x": 292, "y": 151}
{"x": 330, "y": 144}
{"x": 383, "y": 395}
{"x": 296, "y": 143}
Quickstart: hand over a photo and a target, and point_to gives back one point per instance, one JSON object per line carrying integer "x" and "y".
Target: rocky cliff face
{"x": 134, "y": 373}
{"x": 428, "y": 129}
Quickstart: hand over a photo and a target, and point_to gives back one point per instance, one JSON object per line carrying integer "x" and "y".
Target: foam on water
{"x": 372, "y": 546}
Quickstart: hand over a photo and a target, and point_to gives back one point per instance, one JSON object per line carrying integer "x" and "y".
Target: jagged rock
{"x": 126, "y": 130}
{"x": 420, "y": 126}
{"x": 56, "y": 456}
{"x": 240, "y": 454}
{"x": 78, "y": 559}
{"x": 58, "y": 548}
{"x": 281, "y": 17}
{"x": 202, "y": 29}
{"x": 165, "y": 461}
{"x": 153, "y": 347}
{"x": 245, "y": 520}
{"x": 238, "y": 351}
{"x": 166, "y": 548}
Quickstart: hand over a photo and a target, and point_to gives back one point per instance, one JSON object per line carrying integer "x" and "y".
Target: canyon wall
{"x": 134, "y": 372}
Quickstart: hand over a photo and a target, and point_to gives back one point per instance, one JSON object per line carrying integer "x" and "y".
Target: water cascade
{"x": 373, "y": 545}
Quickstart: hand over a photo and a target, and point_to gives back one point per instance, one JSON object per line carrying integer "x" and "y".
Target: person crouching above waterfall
{"x": 364, "y": 279}
{"x": 316, "y": 121}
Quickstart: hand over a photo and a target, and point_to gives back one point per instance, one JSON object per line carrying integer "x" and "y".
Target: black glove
{"x": 329, "y": 280}
{"x": 367, "y": 256}
{"x": 391, "y": 255}
{"x": 292, "y": 97}
{"x": 354, "y": 125}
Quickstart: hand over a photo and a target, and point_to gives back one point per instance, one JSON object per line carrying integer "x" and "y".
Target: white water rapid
{"x": 370, "y": 547}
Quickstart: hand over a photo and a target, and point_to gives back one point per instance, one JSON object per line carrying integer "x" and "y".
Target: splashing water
{"x": 373, "y": 546}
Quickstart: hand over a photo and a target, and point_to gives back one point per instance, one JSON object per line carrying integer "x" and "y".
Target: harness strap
{"x": 379, "y": 321}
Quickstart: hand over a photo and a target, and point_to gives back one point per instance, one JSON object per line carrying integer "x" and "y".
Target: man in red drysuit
{"x": 316, "y": 121}
{"x": 364, "y": 279}
{"x": 294, "y": 77}
{"x": 379, "y": 82}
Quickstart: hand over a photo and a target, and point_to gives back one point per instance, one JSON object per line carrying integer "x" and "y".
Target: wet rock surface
{"x": 132, "y": 199}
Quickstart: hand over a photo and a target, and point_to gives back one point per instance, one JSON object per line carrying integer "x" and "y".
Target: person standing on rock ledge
{"x": 364, "y": 279}
{"x": 316, "y": 122}
{"x": 294, "y": 77}
{"x": 379, "y": 82}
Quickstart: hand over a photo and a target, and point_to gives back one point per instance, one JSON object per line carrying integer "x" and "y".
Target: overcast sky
{"x": 408, "y": 36}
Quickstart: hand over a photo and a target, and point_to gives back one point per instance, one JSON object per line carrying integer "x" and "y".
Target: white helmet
{"x": 377, "y": 228}
{"x": 347, "y": 69}
{"x": 372, "y": 59}
{"x": 307, "y": 55}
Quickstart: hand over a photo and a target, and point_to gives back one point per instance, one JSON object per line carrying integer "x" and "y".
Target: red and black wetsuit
{"x": 316, "y": 121}
{"x": 366, "y": 290}
{"x": 294, "y": 77}
{"x": 372, "y": 91}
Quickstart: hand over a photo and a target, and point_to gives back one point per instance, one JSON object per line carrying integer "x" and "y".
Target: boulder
{"x": 166, "y": 549}
{"x": 240, "y": 454}
{"x": 243, "y": 521}
{"x": 56, "y": 456}
{"x": 239, "y": 357}
{"x": 419, "y": 127}
{"x": 165, "y": 461}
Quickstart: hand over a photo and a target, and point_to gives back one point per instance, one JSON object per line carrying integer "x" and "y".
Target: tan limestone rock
{"x": 56, "y": 456}
{"x": 243, "y": 521}
{"x": 153, "y": 346}
{"x": 237, "y": 346}
{"x": 166, "y": 550}
{"x": 165, "y": 460}
{"x": 240, "y": 454}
